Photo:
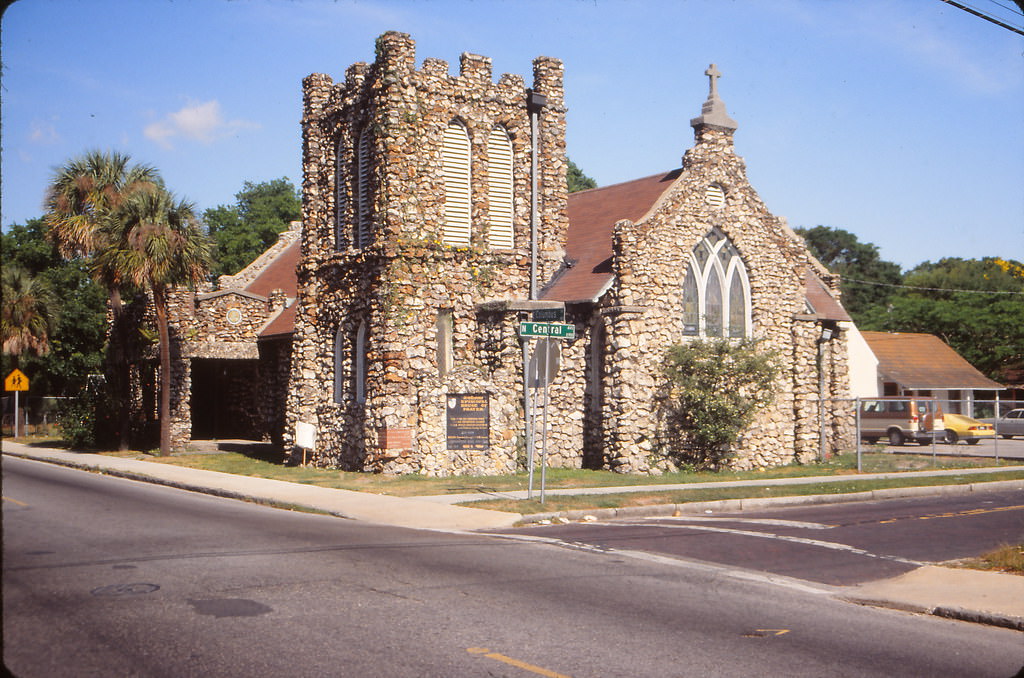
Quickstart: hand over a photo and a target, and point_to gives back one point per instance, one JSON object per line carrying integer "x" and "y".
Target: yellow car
{"x": 960, "y": 427}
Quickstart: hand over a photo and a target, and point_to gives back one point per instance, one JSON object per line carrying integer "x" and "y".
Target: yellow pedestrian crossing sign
{"x": 16, "y": 381}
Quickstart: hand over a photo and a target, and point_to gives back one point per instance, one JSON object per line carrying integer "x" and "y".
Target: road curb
{"x": 763, "y": 503}
{"x": 958, "y": 613}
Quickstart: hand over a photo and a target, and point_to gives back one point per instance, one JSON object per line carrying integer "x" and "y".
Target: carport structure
{"x": 918, "y": 364}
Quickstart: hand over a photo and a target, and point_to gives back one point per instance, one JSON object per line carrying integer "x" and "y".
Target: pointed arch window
{"x": 340, "y": 195}
{"x": 359, "y": 359}
{"x": 455, "y": 156}
{"x": 364, "y": 204}
{"x": 499, "y": 190}
{"x": 716, "y": 290}
{"x": 350, "y": 365}
{"x": 339, "y": 366}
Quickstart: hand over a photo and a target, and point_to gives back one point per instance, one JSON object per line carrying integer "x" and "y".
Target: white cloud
{"x": 202, "y": 122}
{"x": 43, "y": 133}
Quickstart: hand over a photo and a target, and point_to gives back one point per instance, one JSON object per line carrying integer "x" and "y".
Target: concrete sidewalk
{"x": 374, "y": 508}
{"x": 984, "y": 597}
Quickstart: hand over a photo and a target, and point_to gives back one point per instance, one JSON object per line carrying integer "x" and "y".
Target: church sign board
{"x": 469, "y": 423}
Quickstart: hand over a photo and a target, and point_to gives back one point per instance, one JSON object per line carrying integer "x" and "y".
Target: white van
{"x": 901, "y": 418}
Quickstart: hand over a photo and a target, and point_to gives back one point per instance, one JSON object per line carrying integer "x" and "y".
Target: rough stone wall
{"x": 211, "y": 324}
{"x": 396, "y": 285}
{"x": 644, "y": 312}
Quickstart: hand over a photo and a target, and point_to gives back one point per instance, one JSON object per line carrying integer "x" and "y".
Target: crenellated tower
{"x": 418, "y": 215}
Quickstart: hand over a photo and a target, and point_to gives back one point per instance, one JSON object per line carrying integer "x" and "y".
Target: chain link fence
{"x": 984, "y": 429}
{"x": 37, "y": 415}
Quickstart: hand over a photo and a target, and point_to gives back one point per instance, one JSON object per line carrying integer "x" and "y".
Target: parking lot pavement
{"x": 1000, "y": 448}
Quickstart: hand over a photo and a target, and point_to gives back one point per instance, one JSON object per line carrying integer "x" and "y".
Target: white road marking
{"x": 751, "y": 521}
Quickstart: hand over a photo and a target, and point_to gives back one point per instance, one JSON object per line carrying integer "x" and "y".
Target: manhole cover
{"x": 125, "y": 589}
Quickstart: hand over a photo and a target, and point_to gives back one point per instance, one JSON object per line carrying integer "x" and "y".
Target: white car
{"x": 1010, "y": 424}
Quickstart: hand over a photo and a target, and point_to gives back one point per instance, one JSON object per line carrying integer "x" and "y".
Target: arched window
{"x": 340, "y": 195}
{"x": 716, "y": 290}
{"x": 455, "y": 157}
{"x": 339, "y": 366}
{"x": 445, "y": 346}
{"x": 359, "y": 360}
{"x": 499, "y": 189}
{"x": 364, "y": 201}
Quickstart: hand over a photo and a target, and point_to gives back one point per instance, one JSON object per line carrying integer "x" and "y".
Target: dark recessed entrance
{"x": 225, "y": 399}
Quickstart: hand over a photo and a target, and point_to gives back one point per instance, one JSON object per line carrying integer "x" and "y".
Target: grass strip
{"x": 557, "y": 503}
{"x": 557, "y": 478}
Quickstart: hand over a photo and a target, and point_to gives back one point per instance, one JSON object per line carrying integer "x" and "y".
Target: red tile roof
{"x": 279, "y": 274}
{"x": 281, "y": 325}
{"x": 923, "y": 361}
{"x": 821, "y": 301}
{"x": 592, "y": 216}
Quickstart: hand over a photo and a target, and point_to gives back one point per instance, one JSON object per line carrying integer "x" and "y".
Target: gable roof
{"x": 281, "y": 325}
{"x": 820, "y": 301}
{"x": 592, "y": 217}
{"x": 923, "y": 361}
{"x": 279, "y": 273}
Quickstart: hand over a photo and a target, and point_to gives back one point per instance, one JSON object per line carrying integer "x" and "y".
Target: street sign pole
{"x": 544, "y": 450}
{"x": 16, "y": 413}
{"x": 529, "y": 381}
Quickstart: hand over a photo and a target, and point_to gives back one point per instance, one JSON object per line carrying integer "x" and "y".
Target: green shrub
{"x": 89, "y": 421}
{"x": 714, "y": 389}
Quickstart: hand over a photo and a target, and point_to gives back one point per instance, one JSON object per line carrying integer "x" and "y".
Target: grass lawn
{"x": 585, "y": 502}
{"x": 251, "y": 464}
{"x": 416, "y": 485}
{"x": 1008, "y": 558}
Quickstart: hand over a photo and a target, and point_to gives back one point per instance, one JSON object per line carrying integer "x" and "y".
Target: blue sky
{"x": 901, "y": 121}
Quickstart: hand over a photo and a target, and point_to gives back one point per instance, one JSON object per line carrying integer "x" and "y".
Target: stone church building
{"x": 436, "y": 219}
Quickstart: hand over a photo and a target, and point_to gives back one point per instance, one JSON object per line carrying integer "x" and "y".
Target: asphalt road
{"x": 109, "y": 577}
{"x": 837, "y": 544}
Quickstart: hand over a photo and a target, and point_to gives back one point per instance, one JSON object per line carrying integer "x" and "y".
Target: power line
{"x": 982, "y": 15}
{"x": 1013, "y": 10}
{"x": 843, "y": 278}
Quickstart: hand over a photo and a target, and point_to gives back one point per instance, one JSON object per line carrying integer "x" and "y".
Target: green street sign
{"x": 554, "y": 330}
{"x": 548, "y": 315}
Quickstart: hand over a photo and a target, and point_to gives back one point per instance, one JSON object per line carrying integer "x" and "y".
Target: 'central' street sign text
{"x": 554, "y": 330}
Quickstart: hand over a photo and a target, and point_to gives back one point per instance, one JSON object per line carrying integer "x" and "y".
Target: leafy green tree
{"x": 975, "y": 305}
{"x": 243, "y": 231}
{"x": 77, "y": 338}
{"x": 714, "y": 390}
{"x": 158, "y": 244}
{"x": 858, "y": 265}
{"x": 577, "y": 180}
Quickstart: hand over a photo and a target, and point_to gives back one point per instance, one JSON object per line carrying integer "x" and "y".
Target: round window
{"x": 234, "y": 315}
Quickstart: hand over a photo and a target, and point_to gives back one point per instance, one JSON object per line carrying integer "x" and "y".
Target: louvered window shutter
{"x": 499, "y": 189}
{"x": 456, "y": 162}
{"x": 363, "y": 202}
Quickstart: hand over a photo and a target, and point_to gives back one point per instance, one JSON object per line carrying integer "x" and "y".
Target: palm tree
{"x": 27, "y": 314}
{"x": 84, "y": 193}
{"x": 81, "y": 202}
{"x": 156, "y": 243}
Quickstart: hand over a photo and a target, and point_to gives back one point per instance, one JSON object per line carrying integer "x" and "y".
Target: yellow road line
{"x": 515, "y": 662}
{"x": 15, "y": 501}
{"x": 954, "y": 514}
{"x": 971, "y": 512}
